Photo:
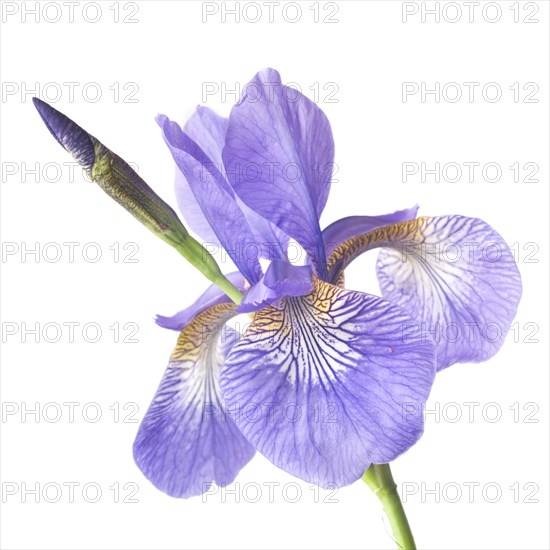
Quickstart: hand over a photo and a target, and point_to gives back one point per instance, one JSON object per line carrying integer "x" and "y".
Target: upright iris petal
{"x": 215, "y": 198}
{"x": 186, "y": 440}
{"x": 278, "y": 157}
{"x": 208, "y": 130}
{"x": 325, "y": 385}
{"x": 456, "y": 277}
{"x": 191, "y": 211}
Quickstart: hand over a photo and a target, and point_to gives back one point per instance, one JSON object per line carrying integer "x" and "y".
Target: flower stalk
{"x": 380, "y": 480}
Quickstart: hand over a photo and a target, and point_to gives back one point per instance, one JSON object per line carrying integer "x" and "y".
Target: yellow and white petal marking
{"x": 455, "y": 275}
{"x": 186, "y": 440}
{"x": 320, "y": 385}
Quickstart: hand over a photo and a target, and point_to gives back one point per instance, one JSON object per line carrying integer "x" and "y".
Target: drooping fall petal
{"x": 325, "y": 385}
{"x": 456, "y": 277}
{"x": 186, "y": 441}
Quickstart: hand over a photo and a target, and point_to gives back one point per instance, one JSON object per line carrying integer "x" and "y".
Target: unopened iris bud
{"x": 115, "y": 176}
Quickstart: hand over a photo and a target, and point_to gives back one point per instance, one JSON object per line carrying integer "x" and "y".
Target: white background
{"x": 169, "y": 53}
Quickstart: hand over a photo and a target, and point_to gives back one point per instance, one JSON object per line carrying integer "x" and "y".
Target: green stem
{"x": 229, "y": 288}
{"x": 197, "y": 255}
{"x": 380, "y": 480}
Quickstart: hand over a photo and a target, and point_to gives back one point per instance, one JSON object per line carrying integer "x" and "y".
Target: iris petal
{"x": 325, "y": 386}
{"x": 281, "y": 279}
{"x": 258, "y": 296}
{"x": 346, "y": 228}
{"x": 278, "y": 157}
{"x": 211, "y": 297}
{"x": 271, "y": 242}
{"x": 208, "y": 130}
{"x": 186, "y": 440}
{"x": 455, "y": 275}
{"x": 215, "y": 198}
{"x": 289, "y": 279}
{"x": 191, "y": 211}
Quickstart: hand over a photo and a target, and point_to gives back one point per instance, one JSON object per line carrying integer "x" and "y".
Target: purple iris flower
{"x": 325, "y": 381}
